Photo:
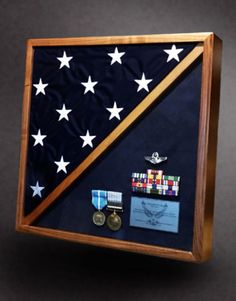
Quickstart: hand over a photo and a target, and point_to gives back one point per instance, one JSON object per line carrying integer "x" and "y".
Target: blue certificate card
{"x": 154, "y": 214}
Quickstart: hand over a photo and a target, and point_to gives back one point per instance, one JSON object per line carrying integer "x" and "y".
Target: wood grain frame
{"x": 209, "y": 45}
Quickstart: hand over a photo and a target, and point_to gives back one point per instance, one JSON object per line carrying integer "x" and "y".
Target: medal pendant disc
{"x": 99, "y": 218}
{"x": 114, "y": 222}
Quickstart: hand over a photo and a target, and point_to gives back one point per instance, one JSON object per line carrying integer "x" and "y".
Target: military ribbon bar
{"x": 154, "y": 182}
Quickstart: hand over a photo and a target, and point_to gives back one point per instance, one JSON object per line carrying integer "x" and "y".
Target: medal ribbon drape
{"x": 99, "y": 199}
{"x": 114, "y": 201}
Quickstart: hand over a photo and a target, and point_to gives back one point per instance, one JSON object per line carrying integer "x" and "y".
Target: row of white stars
{"x": 89, "y": 85}
{"x": 116, "y": 57}
{"x": 87, "y": 139}
{"x": 114, "y": 113}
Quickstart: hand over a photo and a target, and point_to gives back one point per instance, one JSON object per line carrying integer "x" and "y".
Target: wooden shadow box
{"x": 93, "y": 108}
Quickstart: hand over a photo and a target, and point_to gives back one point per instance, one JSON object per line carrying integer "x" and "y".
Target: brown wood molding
{"x": 207, "y": 143}
{"x": 142, "y": 39}
{"x": 116, "y": 133}
{"x": 111, "y": 243}
{"x": 24, "y": 133}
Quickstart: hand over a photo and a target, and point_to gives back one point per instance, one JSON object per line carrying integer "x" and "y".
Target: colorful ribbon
{"x": 154, "y": 182}
{"x": 99, "y": 199}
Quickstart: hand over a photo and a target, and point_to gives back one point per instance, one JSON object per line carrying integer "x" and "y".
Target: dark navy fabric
{"x": 115, "y": 83}
{"x": 170, "y": 127}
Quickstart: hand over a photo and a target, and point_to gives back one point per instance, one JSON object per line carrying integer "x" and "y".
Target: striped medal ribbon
{"x": 114, "y": 203}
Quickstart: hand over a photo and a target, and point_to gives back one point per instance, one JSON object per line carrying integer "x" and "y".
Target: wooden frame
{"x": 210, "y": 47}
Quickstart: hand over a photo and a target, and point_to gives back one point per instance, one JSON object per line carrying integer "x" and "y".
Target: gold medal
{"x": 99, "y": 218}
{"x": 114, "y": 222}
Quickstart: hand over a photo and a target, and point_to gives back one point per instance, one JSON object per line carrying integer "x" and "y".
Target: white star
{"x": 64, "y": 60}
{"x": 38, "y": 138}
{"x": 143, "y": 83}
{"x": 63, "y": 113}
{"x": 89, "y": 85}
{"x": 116, "y": 56}
{"x": 40, "y": 87}
{"x": 61, "y": 165}
{"x": 37, "y": 189}
{"x": 87, "y": 139}
{"x": 115, "y": 112}
{"x": 173, "y": 53}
